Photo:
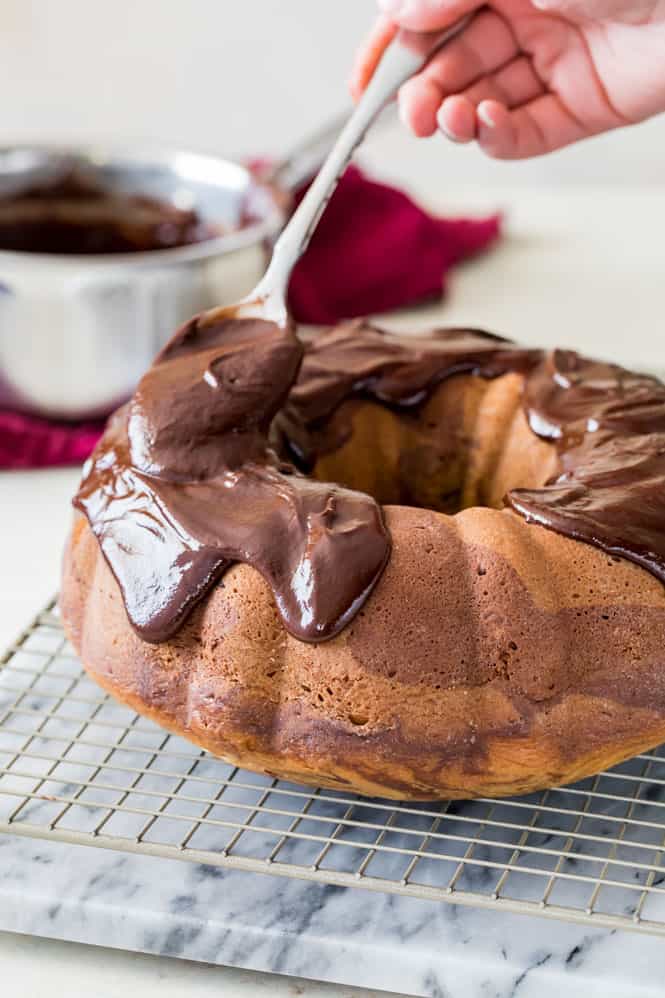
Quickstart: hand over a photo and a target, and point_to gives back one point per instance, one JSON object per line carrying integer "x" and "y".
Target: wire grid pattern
{"x": 77, "y": 766}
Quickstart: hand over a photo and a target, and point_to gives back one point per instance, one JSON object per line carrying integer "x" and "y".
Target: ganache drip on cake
{"x": 184, "y": 483}
{"x": 357, "y": 360}
{"x": 188, "y": 477}
{"x": 609, "y": 428}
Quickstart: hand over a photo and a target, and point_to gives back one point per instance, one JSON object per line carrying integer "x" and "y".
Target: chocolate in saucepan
{"x": 72, "y": 214}
{"x": 205, "y": 466}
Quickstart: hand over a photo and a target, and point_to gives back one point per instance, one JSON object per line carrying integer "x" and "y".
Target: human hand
{"x": 525, "y": 77}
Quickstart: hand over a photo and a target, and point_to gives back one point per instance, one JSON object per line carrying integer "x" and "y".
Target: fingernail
{"x": 401, "y": 111}
{"x": 443, "y": 128}
{"x": 450, "y": 135}
{"x": 485, "y": 116}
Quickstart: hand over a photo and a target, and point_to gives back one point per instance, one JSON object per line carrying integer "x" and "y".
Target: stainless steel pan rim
{"x": 216, "y": 170}
{"x": 77, "y": 331}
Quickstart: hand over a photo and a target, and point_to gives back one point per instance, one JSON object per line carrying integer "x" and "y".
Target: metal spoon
{"x": 405, "y": 56}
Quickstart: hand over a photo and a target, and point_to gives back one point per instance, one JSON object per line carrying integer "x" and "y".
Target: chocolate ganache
{"x": 360, "y": 361}
{"x": 184, "y": 483}
{"x": 195, "y": 474}
{"x": 609, "y": 427}
{"x": 71, "y": 214}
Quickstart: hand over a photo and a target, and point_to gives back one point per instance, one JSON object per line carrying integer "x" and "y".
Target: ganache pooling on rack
{"x": 186, "y": 480}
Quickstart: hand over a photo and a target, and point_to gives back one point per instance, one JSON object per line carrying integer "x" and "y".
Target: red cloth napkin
{"x": 29, "y": 442}
{"x": 374, "y": 250}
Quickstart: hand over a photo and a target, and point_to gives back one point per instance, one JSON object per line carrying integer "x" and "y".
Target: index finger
{"x": 384, "y": 30}
{"x": 369, "y": 54}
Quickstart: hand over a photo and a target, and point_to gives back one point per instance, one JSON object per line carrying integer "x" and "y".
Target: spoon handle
{"x": 401, "y": 59}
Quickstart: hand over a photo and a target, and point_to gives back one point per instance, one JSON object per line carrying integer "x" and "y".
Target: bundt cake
{"x": 476, "y": 607}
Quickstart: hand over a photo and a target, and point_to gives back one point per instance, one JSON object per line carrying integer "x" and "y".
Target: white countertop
{"x": 40, "y": 967}
{"x": 578, "y": 269}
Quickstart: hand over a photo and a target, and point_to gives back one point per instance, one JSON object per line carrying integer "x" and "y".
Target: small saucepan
{"x": 79, "y": 325}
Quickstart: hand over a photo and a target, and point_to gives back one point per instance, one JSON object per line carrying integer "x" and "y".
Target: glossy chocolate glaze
{"x": 71, "y": 214}
{"x": 357, "y": 360}
{"x": 185, "y": 482}
{"x": 609, "y": 427}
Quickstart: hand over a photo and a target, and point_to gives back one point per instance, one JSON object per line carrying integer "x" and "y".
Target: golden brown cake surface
{"x": 491, "y": 656}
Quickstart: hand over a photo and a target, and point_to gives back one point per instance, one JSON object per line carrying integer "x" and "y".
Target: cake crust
{"x": 494, "y": 657}
{"x": 488, "y": 655}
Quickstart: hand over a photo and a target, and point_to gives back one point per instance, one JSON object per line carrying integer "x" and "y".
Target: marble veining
{"x": 324, "y": 933}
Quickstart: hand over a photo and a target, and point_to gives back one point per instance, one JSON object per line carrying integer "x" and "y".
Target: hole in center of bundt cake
{"x": 467, "y": 445}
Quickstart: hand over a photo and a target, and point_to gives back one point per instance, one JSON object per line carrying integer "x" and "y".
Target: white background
{"x": 239, "y": 77}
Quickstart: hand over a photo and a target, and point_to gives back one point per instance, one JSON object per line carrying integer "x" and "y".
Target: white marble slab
{"x": 290, "y": 927}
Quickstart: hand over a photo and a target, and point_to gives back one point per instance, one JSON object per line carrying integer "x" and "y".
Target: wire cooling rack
{"x": 76, "y": 766}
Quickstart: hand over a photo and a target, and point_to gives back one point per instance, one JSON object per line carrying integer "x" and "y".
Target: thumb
{"x": 419, "y": 15}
